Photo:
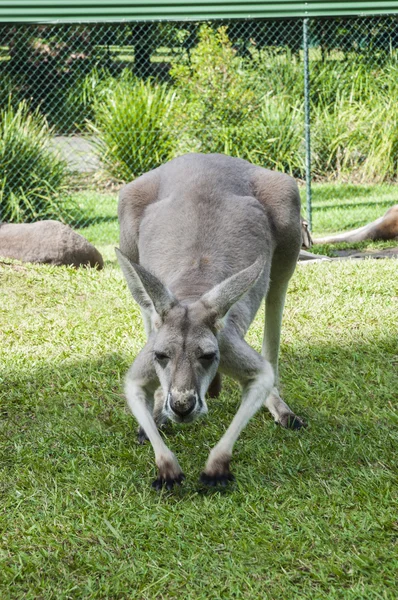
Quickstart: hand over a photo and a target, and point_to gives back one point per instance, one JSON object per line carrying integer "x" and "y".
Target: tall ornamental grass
{"x": 131, "y": 125}
{"x": 32, "y": 175}
{"x": 252, "y": 108}
{"x": 276, "y": 140}
{"x": 382, "y": 140}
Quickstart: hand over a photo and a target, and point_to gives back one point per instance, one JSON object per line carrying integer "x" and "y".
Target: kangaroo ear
{"x": 147, "y": 290}
{"x": 220, "y": 299}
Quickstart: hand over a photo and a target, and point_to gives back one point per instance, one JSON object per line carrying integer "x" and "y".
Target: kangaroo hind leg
{"x": 274, "y": 304}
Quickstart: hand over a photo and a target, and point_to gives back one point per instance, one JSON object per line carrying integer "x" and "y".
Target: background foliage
{"x": 132, "y": 125}
{"x": 32, "y": 175}
{"x": 137, "y": 94}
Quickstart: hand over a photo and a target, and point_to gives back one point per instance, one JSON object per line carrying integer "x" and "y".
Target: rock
{"x": 49, "y": 242}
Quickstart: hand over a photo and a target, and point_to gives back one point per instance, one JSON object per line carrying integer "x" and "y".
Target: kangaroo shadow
{"x": 344, "y": 393}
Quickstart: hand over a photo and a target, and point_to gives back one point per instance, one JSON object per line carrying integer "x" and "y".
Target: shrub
{"x": 131, "y": 127}
{"x": 32, "y": 175}
{"x": 277, "y": 138}
{"x": 381, "y": 127}
{"x": 277, "y": 72}
{"x": 336, "y": 141}
{"x": 236, "y": 106}
{"x": 217, "y": 94}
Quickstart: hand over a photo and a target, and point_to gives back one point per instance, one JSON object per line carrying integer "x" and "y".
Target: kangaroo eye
{"x": 208, "y": 357}
{"x": 161, "y": 357}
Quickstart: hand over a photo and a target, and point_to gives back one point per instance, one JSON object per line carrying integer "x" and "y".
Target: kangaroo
{"x": 203, "y": 239}
{"x": 384, "y": 228}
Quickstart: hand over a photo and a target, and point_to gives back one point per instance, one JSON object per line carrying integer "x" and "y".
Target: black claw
{"x": 142, "y": 436}
{"x": 167, "y": 482}
{"x": 291, "y": 421}
{"x": 157, "y": 484}
{"x": 214, "y": 480}
{"x": 297, "y": 423}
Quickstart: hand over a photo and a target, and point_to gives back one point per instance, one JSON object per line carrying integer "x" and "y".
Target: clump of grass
{"x": 276, "y": 139}
{"x": 337, "y": 148}
{"x": 382, "y": 140}
{"x": 131, "y": 125}
{"x": 32, "y": 175}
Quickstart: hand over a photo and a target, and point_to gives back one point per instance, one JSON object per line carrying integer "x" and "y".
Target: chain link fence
{"x": 86, "y": 107}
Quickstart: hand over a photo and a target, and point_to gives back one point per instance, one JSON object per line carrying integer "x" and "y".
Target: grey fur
{"x": 204, "y": 238}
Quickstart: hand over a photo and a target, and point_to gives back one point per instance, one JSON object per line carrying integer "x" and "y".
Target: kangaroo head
{"x": 184, "y": 338}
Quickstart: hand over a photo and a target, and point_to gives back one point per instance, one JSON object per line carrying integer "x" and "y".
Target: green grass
{"x": 98, "y": 218}
{"x": 336, "y": 207}
{"x": 313, "y": 514}
{"x": 339, "y": 207}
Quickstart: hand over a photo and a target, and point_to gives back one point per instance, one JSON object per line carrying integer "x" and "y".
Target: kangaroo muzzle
{"x": 182, "y": 403}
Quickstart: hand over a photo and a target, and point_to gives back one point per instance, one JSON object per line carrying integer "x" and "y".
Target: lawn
{"x": 336, "y": 207}
{"x": 339, "y": 207}
{"x": 312, "y": 514}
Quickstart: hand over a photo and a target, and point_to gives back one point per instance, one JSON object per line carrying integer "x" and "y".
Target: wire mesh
{"x": 85, "y": 107}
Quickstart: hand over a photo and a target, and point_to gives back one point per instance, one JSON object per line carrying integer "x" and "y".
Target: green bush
{"x": 277, "y": 72}
{"x": 355, "y": 119}
{"x": 381, "y": 126}
{"x": 217, "y": 95}
{"x": 277, "y": 136}
{"x": 32, "y": 175}
{"x": 239, "y": 106}
{"x": 336, "y": 139}
{"x": 132, "y": 125}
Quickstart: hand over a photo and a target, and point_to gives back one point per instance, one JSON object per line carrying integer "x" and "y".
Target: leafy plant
{"x": 32, "y": 175}
{"x": 276, "y": 140}
{"x": 219, "y": 99}
{"x": 381, "y": 126}
{"x": 239, "y": 106}
{"x": 131, "y": 125}
{"x": 336, "y": 148}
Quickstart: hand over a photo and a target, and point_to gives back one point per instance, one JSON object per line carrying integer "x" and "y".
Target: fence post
{"x": 307, "y": 125}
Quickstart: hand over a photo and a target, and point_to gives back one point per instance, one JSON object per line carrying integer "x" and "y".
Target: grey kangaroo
{"x": 203, "y": 239}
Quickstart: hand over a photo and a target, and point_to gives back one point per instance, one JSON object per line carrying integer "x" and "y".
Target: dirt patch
{"x": 78, "y": 152}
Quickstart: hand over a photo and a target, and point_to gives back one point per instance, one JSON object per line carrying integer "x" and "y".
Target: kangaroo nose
{"x": 183, "y": 406}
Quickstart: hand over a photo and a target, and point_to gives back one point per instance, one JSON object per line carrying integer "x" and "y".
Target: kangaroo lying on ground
{"x": 204, "y": 238}
{"x": 384, "y": 228}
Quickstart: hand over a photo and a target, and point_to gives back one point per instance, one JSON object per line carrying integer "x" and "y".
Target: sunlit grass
{"x": 336, "y": 207}
{"x": 313, "y": 514}
{"x": 340, "y": 207}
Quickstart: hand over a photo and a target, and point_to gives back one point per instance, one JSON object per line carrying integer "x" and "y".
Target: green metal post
{"x": 307, "y": 125}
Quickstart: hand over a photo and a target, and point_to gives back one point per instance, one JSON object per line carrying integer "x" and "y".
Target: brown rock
{"x": 49, "y": 242}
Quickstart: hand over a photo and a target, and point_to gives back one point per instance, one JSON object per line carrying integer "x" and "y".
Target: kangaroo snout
{"x": 182, "y": 403}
